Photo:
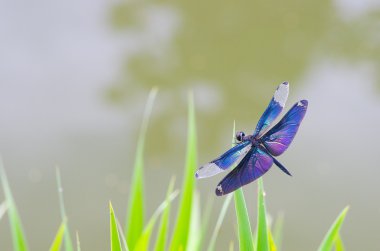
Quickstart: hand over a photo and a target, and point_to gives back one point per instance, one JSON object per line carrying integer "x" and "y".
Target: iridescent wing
{"x": 225, "y": 161}
{"x": 278, "y": 139}
{"x": 253, "y": 166}
{"x": 273, "y": 110}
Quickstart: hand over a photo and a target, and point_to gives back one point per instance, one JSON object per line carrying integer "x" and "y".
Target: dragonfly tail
{"x": 281, "y": 167}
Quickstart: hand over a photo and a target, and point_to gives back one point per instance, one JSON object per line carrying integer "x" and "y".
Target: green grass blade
{"x": 164, "y": 224}
{"x": 114, "y": 232}
{"x": 182, "y": 227}
{"x": 143, "y": 241}
{"x": 272, "y": 244}
{"x": 278, "y": 230}
{"x": 244, "y": 225}
{"x": 56, "y": 245}
{"x": 67, "y": 238}
{"x": 18, "y": 237}
{"x": 78, "y": 242}
{"x": 122, "y": 237}
{"x": 193, "y": 243}
{"x": 206, "y": 213}
{"x": 3, "y": 209}
{"x": 135, "y": 216}
{"x": 222, "y": 214}
{"x": 339, "y": 246}
{"x": 262, "y": 243}
{"x": 329, "y": 240}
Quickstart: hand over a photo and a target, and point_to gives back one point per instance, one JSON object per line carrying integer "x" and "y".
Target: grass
{"x": 182, "y": 226}
{"x": 244, "y": 225}
{"x": 18, "y": 237}
{"x": 135, "y": 214}
{"x": 262, "y": 241}
{"x": 333, "y": 237}
{"x": 162, "y": 234}
{"x": 67, "y": 239}
{"x": 114, "y": 231}
{"x": 56, "y": 245}
{"x": 190, "y": 223}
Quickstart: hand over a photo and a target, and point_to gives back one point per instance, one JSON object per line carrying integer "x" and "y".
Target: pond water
{"x": 74, "y": 77}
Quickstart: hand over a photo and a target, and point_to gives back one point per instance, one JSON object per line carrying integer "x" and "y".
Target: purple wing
{"x": 253, "y": 166}
{"x": 278, "y": 139}
{"x": 273, "y": 110}
{"x": 225, "y": 161}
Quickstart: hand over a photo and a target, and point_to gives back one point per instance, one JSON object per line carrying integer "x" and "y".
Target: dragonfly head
{"x": 239, "y": 136}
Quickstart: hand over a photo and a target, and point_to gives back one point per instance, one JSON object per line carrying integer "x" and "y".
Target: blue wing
{"x": 225, "y": 161}
{"x": 273, "y": 110}
{"x": 278, "y": 139}
{"x": 254, "y": 165}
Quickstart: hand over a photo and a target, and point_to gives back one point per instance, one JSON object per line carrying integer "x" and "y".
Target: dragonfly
{"x": 255, "y": 154}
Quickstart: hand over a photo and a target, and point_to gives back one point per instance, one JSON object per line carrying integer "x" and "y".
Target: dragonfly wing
{"x": 225, "y": 161}
{"x": 254, "y": 165}
{"x": 278, "y": 139}
{"x": 273, "y": 110}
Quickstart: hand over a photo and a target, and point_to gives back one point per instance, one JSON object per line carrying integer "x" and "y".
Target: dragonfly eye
{"x": 240, "y": 136}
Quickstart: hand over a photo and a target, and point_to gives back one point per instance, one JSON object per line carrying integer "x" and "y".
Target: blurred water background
{"x": 74, "y": 77}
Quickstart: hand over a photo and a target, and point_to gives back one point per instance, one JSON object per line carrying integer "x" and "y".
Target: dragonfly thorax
{"x": 254, "y": 140}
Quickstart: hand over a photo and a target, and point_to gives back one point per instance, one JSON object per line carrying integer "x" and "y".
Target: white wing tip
{"x": 207, "y": 170}
{"x": 303, "y": 103}
{"x": 281, "y": 94}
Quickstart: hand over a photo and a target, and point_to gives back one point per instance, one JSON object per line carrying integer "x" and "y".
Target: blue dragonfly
{"x": 255, "y": 154}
